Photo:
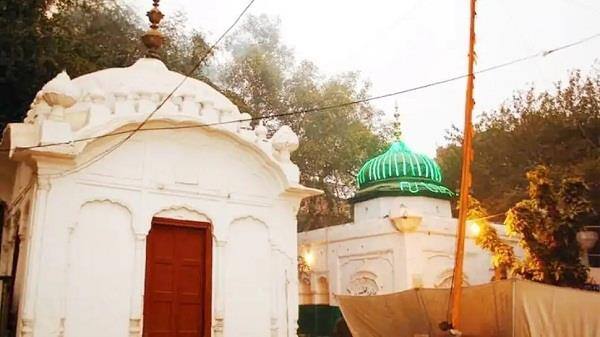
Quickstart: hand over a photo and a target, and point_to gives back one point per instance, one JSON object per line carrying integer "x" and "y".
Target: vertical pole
{"x": 465, "y": 182}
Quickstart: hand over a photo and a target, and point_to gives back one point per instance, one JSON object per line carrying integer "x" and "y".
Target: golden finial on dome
{"x": 397, "y": 125}
{"x": 153, "y": 38}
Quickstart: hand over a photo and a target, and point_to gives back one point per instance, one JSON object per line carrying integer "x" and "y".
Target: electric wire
{"x": 543, "y": 53}
{"x": 130, "y": 133}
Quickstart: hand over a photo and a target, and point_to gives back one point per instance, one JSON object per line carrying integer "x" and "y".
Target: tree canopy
{"x": 546, "y": 224}
{"x": 40, "y": 38}
{"x": 263, "y": 73}
{"x": 558, "y": 128}
{"x": 255, "y": 70}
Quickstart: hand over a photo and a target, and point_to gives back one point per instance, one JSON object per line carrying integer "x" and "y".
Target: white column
{"x": 137, "y": 294}
{"x": 275, "y": 282}
{"x": 219, "y": 298}
{"x": 291, "y": 296}
{"x": 31, "y": 280}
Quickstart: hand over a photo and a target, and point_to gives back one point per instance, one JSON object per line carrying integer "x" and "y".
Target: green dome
{"x": 400, "y": 172}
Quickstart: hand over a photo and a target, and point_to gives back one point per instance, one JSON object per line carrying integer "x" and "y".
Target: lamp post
{"x": 587, "y": 239}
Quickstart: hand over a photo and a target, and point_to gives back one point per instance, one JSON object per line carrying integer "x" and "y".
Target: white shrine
{"x": 186, "y": 227}
{"x": 403, "y": 235}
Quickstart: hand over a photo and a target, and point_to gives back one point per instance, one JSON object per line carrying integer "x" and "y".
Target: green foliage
{"x": 546, "y": 223}
{"x": 503, "y": 255}
{"x": 559, "y": 129}
{"x": 19, "y": 54}
{"x": 259, "y": 74}
{"x": 42, "y": 38}
{"x": 264, "y": 77}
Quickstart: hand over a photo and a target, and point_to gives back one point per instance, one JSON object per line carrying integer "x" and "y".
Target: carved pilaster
{"x": 219, "y": 267}
{"x": 276, "y": 281}
{"x": 61, "y": 328}
{"x": 291, "y": 296}
{"x": 137, "y": 296}
{"x": 274, "y": 327}
{"x": 135, "y": 327}
{"x": 35, "y": 255}
{"x": 26, "y": 327}
{"x": 218, "y": 326}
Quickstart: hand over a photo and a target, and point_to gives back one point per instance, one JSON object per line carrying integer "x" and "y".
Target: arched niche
{"x": 99, "y": 274}
{"x": 305, "y": 292}
{"x": 248, "y": 279}
{"x": 322, "y": 290}
{"x": 444, "y": 279}
{"x": 182, "y": 213}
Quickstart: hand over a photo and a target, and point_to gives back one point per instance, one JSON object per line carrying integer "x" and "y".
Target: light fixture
{"x": 474, "y": 228}
{"x": 309, "y": 258}
{"x": 587, "y": 239}
{"x": 404, "y": 220}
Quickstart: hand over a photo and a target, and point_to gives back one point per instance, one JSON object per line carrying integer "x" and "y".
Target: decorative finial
{"x": 153, "y": 38}
{"x": 397, "y": 125}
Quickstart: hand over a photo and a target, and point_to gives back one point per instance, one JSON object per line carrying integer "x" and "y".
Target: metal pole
{"x": 465, "y": 182}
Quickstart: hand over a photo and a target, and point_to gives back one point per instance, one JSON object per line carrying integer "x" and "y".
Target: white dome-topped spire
{"x": 73, "y": 112}
{"x": 153, "y": 38}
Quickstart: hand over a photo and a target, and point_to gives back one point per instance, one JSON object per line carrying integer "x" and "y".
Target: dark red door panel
{"x": 178, "y": 279}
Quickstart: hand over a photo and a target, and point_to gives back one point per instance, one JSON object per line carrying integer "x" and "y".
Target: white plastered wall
{"x": 371, "y": 255}
{"x": 75, "y": 271}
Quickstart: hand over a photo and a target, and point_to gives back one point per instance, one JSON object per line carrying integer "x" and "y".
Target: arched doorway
{"x": 177, "y": 298}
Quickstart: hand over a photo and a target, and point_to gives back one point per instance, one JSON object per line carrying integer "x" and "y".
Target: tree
{"x": 559, "y": 129}
{"x": 19, "y": 55}
{"x": 262, "y": 74}
{"x": 258, "y": 73}
{"x": 546, "y": 223}
{"x": 503, "y": 255}
{"x": 42, "y": 38}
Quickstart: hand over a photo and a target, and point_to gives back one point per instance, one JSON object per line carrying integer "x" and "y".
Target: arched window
{"x": 322, "y": 291}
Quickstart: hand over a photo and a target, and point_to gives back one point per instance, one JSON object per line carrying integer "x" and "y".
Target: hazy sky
{"x": 398, "y": 44}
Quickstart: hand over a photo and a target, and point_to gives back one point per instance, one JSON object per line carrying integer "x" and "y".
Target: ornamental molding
{"x": 114, "y": 99}
{"x": 386, "y": 255}
{"x": 363, "y": 283}
{"x": 106, "y": 200}
{"x": 444, "y": 279}
{"x": 182, "y": 211}
{"x": 255, "y": 219}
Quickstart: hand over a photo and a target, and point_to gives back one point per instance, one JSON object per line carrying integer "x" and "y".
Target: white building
{"x": 403, "y": 235}
{"x": 179, "y": 228}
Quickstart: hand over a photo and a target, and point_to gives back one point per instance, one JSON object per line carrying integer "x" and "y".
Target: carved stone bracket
{"x": 26, "y": 327}
{"x": 218, "y": 326}
{"x": 43, "y": 183}
{"x": 274, "y": 327}
{"x": 135, "y": 327}
{"x": 61, "y": 327}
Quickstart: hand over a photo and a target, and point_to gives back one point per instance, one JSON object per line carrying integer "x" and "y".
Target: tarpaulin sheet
{"x": 510, "y": 308}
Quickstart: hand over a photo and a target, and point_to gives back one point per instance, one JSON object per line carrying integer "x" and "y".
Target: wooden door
{"x": 178, "y": 279}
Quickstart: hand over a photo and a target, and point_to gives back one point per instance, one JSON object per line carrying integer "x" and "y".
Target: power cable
{"x": 488, "y": 217}
{"x": 326, "y": 107}
{"x": 583, "y": 5}
{"x": 131, "y": 133}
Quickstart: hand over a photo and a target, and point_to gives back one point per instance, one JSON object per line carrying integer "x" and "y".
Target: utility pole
{"x": 465, "y": 181}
